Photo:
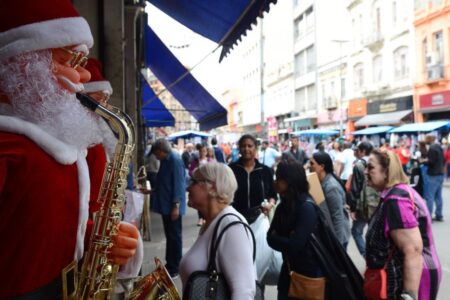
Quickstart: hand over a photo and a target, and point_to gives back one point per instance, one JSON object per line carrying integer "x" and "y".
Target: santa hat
{"x": 30, "y": 25}
{"x": 97, "y": 83}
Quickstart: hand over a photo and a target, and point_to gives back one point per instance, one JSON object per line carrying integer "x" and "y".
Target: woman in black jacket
{"x": 294, "y": 221}
{"x": 255, "y": 181}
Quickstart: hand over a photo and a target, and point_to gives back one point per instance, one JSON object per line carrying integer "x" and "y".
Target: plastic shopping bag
{"x": 134, "y": 205}
{"x": 273, "y": 272}
{"x": 263, "y": 251}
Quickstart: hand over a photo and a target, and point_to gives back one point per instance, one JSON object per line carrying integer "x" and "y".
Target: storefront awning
{"x": 390, "y": 118}
{"x": 223, "y": 22}
{"x": 373, "y": 130}
{"x": 155, "y": 113}
{"x": 188, "y": 134}
{"x": 310, "y": 132}
{"x": 422, "y": 127}
{"x": 181, "y": 84}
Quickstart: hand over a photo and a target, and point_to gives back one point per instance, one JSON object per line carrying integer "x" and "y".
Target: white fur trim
{"x": 49, "y": 34}
{"x": 84, "y": 187}
{"x": 81, "y": 48}
{"x": 60, "y": 151}
{"x": 98, "y": 86}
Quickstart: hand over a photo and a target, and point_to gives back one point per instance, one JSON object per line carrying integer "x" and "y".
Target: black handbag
{"x": 210, "y": 284}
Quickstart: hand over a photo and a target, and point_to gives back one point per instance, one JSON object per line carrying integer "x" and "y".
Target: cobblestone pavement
{"x": 441, "y": 233}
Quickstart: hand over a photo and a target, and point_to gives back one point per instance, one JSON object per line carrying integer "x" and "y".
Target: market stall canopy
{"x": 390, "y": 118}
{"x": 181, "y": 84}
{"x": 155, "y": 113}
{"x": 187, "y": 134}
{"x": 315, "y": 132}
{"x": 222, "y": 21}
{"x": 422, "y": 127}
{"x": 373, "y": 130}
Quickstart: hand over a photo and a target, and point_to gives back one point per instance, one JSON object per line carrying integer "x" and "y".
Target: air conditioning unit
{"x": 435, "y": 72}
{"x": 330, "y": 103}
{"x": 432, "y": 58}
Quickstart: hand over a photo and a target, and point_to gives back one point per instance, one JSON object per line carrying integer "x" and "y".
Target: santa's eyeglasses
{"x": 78, "y": 59}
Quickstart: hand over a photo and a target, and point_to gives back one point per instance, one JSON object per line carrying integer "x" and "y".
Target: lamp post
{"x": 340, "y": 83}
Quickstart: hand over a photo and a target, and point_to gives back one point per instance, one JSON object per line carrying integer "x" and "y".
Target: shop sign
{"x": 331, "y": 116}
{"x": 357, "y": 108}
{"x": 272, "y": 126}
{"x": 390, "y": 105}
{"x": 441, "y": 99}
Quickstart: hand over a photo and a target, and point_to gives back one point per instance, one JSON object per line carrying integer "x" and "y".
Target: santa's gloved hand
{"x": 124, "y": 243}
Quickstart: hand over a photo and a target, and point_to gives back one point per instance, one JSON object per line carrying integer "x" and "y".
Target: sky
{"x": 213, "y": 76}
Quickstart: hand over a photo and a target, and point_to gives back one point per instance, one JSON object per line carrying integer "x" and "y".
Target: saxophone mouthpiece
{"x": 87, "y": 101}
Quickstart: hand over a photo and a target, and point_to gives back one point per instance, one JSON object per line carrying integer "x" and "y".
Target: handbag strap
{"x": 215, "y": 244}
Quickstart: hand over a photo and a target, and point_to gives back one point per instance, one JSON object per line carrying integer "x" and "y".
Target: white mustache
{"x": 74, "y": 87}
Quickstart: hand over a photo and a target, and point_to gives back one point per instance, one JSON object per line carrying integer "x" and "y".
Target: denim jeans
{"x": 433, "y": 193}
{"x": 357, "y": 233}
{"x": 172, "y": 230}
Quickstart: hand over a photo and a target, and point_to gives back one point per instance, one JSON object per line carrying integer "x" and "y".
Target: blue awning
{"x": 223, "y": 22}
{"x": 187, "y": 134}
{"x": 181, "y": 84}
{"x": 373, "y": 130}
{"x": 315, "y": 132}
{"x": 422, "y": 127}
{"x": 155, "y": 113}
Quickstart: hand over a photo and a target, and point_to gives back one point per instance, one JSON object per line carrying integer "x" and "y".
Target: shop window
{"x": 401, "y": 69}
{"x": 377, "y": 68}
{"x": 358, "y": 76}
{"x": 310, "y": 59}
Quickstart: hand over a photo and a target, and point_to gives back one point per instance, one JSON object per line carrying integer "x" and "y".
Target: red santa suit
{"x": 96, "y": 160}
{"x": 45, "y": 184}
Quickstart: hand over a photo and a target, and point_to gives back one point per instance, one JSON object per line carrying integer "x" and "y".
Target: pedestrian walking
{"x": 211, "y": 191}
{"x": 334, "y": 205}
{"x": 169, "y": 201}
{"x": 268, "y": 156}
{"x": 435, "y": 164}
{"x": 363, "y": 199}
{"x": 294, "y": 153}
{"x": 255, "y": 181}
{"x": 399, "y": 240}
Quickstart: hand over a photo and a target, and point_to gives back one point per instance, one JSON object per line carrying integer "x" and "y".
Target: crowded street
{"x": 156, "y": 247}
{"x": 225, "y": 150}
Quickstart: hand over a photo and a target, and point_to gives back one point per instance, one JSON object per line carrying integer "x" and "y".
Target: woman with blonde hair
{"x": 399, "y": 239}
{"x": 211, "y": 191}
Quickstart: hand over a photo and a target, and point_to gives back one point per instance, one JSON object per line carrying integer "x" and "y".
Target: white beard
{"x": 36, "y": 96}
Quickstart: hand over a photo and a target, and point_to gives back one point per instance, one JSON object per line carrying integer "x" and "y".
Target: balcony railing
{"x": 435, "y": 72}
{"x": 374, "y": 41}
{"x": 330, "y": 103}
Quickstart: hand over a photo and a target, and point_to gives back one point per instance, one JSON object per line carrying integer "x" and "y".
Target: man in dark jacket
{"x": 218, "y": 153}
{"x": 295, "y": 153}
{"x": 362, "y": 198}
{"x": 435, "y": 163}
{"x": 188, "y": 155}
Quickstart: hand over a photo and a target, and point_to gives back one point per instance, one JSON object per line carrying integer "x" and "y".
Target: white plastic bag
{"x": 134, "y": 205}
{"x": 273, "y": 272}
{"x": 263, "y": 251}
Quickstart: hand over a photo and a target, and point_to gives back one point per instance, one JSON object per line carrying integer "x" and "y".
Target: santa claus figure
{"x": 44, "y": 136}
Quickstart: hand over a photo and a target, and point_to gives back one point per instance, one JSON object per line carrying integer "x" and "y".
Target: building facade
{"x": 432, "y": 44}
{"x": 381, "y": 62}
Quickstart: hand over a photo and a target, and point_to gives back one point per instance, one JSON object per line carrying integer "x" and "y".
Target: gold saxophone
{"x": 98, "y": 275}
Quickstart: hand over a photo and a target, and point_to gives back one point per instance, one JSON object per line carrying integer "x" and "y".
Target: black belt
{"x": 54, "y": 289}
